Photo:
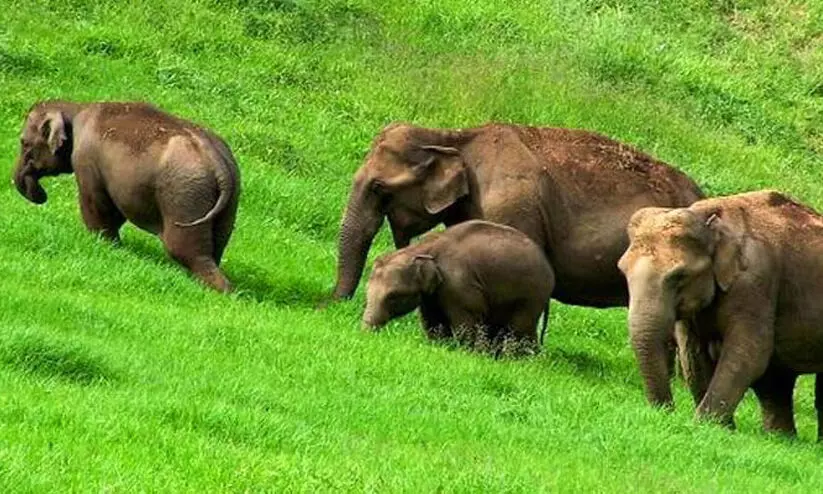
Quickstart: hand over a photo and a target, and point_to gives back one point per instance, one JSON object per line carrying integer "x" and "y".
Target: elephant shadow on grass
{"x": 583, "y": 364}
{"x": 253, "y": 282}
{"x": 51, "y": 360}
{"x": 250, "y": 281}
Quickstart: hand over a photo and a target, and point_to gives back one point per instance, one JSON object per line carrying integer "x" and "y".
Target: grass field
{"x": 119, "y": 373}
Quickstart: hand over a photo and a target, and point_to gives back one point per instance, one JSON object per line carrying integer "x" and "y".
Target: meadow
{"x": 119, "y": 373}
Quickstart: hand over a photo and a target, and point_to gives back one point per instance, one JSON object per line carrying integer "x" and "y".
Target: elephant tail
{"x": 227, "y": 182}
{"x": 545, "y": 323}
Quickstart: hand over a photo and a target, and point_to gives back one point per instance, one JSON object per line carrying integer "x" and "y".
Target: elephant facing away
{"x": 473, "y": 276}
{"x": 134, "y": 162}
{"x": 571, "y": 191}
{"x": 745, "y": 275}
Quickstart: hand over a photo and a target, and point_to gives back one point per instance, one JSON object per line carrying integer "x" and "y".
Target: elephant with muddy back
{"x": 744, "y": 275}
{"x": 571, "y": 191}
{"x": 134, "y": 162}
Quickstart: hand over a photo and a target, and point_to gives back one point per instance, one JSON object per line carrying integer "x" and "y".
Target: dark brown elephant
{"x": 134, "y": 162}
{"x": 745, "y": 275}
{"x": 570, "y": 191}
{"x": 475, "y": 275}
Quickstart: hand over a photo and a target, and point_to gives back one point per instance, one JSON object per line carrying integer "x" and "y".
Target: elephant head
{"x": 412, "y": 176}
{"x": 397, "y": 285}
{"x": 676, "y": 262}
{"x": 45, "y": 150}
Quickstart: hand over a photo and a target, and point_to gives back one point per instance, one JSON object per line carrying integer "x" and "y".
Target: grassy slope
{"x": 120, "y": 373}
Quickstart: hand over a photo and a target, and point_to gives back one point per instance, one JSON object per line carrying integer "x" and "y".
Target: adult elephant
{"x": 745, "y": 274}
{"x": 571, "y": 191}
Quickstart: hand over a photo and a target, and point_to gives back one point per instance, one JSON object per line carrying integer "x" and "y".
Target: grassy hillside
{"x": 119, "y": 373}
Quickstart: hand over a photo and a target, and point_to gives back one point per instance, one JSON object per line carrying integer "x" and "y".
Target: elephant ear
{"x": 446, "y": 181}
{"x": 53, "y": 130}
{"x": 427, "y": 272}
{"x": 728, "y": 260}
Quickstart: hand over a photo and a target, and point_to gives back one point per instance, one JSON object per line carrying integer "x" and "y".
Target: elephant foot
{"x": 438, "y": 332}
{"x": 726, "y": 421}
{"x": 216, "y": 280}
{"x": 780, "y": 425}
{"x": 210, "y": 275}
{"x": 518, "y": 347}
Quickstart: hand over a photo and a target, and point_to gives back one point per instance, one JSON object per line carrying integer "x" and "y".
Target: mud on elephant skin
{"x": 571, "y": 191}
{"x": 473, "y": 275}
{"x": 744, "y": 273}
{"x": 134, "y": 162}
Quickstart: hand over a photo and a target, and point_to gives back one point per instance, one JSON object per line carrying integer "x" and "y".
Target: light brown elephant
{"x": 473, "y": 275}
{"x": 571, "y": 191}
{"x": 745, "y": 275}
{"x": 134, "y": 162}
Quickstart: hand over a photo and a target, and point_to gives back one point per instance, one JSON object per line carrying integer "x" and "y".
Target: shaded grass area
{"x": 120, "y": 373}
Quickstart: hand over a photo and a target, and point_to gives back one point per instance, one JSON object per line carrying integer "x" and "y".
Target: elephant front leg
{"x": 401, "y": 237}
{"x": 434, "y": 321}
{"x": 467, "y": 328}
{"x": 775, "y": 391}
{"x": 99, "y": 213}
{"x": 744, "y": 357}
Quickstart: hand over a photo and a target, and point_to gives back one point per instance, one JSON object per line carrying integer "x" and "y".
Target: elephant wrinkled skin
{"x": 745, "y": 273}
{"x": 134, "y": 162}
{"x": 475, "y": 274}
{"x": 571, "y": 191}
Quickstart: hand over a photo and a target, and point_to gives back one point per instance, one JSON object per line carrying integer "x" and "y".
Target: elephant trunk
{"x": 28, "y": 183}
{"x": 372, "y": 319}
{"x": 651, "y": 325}
{"x": 361, "y": 221}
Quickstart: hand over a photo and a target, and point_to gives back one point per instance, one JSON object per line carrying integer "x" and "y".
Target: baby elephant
{"x": 473, "y": 274}
{"x": 134, "y": 162}
{"x": 744, "y": 275}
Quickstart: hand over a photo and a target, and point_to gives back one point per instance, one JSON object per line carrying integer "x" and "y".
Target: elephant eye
{"x": 378, "y": 187}
{"x": 677, "y": 275}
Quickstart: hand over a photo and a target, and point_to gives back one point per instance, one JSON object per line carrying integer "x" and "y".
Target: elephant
{"x": 474, "y": 274}
{"x": 571, "y": 191}
{"x": 132, "y": 161}
{"x": 744, "y": 275}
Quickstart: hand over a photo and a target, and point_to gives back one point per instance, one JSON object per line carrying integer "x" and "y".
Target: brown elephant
{"x": 475, "y": 274}
{"x": 744, "y": 273}
{"x": 134, "y": 162}
{"x": 571, "y": 191}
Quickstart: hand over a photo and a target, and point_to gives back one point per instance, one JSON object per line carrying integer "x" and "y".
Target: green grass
{"x": 119, "y": 373}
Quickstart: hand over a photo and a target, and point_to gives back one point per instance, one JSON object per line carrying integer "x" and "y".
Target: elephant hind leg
{"x": 775, "y": 390}
{"x": 223, "y": 228}
{"x": 193, "y": 248}
{"x": 524, "y": 324}
{"x": 521, "y": 335}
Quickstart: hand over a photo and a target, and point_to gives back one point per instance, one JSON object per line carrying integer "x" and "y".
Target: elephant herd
{"x": 732, "y": 283}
